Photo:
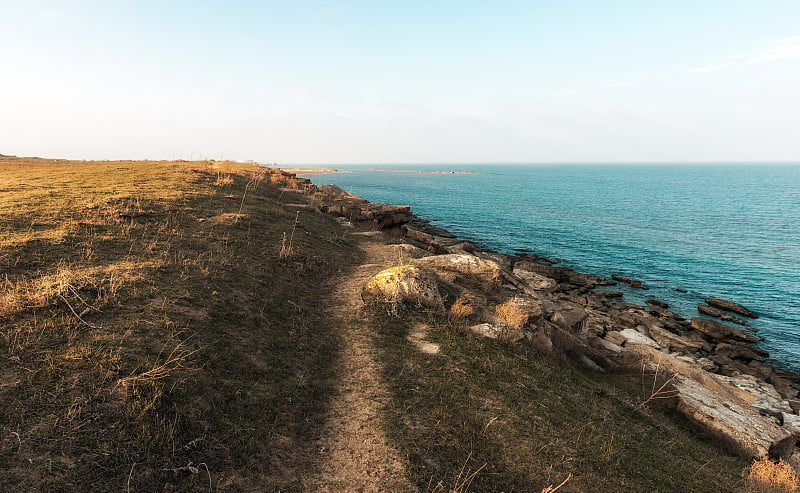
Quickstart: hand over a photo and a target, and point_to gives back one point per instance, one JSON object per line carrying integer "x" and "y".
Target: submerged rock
{"x": 634, "y": 283}
{"x": 709, "y": 310}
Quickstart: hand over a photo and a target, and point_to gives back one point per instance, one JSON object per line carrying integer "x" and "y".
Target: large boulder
{"x": 731, "y": 307}
{"x": 537, "y": 282}
{"x": 487, "y": 271}
{"x": 402, "y": 284}
{"x": 741, "y": 427}
{"x": 720, "y": 331}
{"x": 767, "y": 399}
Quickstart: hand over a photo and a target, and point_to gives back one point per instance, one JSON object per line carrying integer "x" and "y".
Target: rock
{"x": 767, "y": 400}
{"x": 791, "y": 422}
{"x": 357, "y": 209}
{"x": 570, "y": 317}
{"x": 463, "y": 247}
{"x": 633, "y": 337}
{"x": 607, "y": 293}
{"x": 706, "y": 364}
{"x": 491, "y": 331}
{"x": 731, "y": 318}
{"x": 662, "y": 313}
{"x": 634, "y": 283}
{"x": 680, "y": 290}
{"x": 667, "y": 339}
{"x": 537, "y": 282}
{"x": 708, "y": 380}
{"x": 717, "y": 330}
{"x": 407, "y": 251}
{"x": 736, "y": 351}
{"x": 585, "y": 280}
{"x": 487, "y": 271}
{"x": 657, "y": 303}
{"x": 615, "y": 337}
{"x": 709, "y": 310}
{"x": 486, "y": 330}
{"x": 403, "y": 284}
{"x": 741, "y": 427}
{"x": 731, "y": 307}
{"x": 435, "y": 244}
{"x": 606, "y": 344}
{"x": 783, "y": 386}
{"x": 562, "y": 274}
{"x": 530, "y": 305}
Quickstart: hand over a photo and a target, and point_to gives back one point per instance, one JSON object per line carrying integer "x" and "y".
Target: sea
{"x": 714, "y": 230}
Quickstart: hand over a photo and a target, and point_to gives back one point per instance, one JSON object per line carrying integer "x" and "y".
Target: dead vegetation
{"x": 148, "y": 338}
{"x": 769, "y": 476}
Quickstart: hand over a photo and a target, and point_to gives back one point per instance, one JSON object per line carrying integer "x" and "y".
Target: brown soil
{"x": 355, "y": 451}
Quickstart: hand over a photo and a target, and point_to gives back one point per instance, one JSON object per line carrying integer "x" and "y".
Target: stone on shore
{"x": 720, "y": 331}
{"x": 449, "y": 265}
{"x": 731, "y": 307}
{"x": 562, "y": 274}
{"x": 537, "y": 282}
{"x": 740, "y": 427}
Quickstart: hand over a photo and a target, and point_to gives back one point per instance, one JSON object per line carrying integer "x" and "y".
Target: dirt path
{"x": 355, "y": 452}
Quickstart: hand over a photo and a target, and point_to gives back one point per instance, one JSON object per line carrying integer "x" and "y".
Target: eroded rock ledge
{"x": 723, "y": 381}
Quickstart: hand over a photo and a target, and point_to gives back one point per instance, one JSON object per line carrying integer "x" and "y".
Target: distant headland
{"x": 302, "y": 170}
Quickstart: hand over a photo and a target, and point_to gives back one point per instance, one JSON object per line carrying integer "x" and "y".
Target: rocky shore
{"x": 722, "y": 381}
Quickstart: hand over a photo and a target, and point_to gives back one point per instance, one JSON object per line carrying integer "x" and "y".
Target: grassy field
{"x": 164, "y": 326}
{"x": 152, "y": 336}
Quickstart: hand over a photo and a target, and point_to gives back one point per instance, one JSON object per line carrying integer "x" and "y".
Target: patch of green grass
{"x": 528, "y": 421}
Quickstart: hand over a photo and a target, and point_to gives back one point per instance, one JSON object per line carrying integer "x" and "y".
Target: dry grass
{"x": 660, "y": 383}
{"x": 462, "y": 307}
{"x": 511, "y": 314}
{"x": 145, "y": 324}
{"x": 768, "y": 476}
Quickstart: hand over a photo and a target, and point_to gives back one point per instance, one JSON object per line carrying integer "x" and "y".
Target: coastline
{"x": 686, "y": 243}
{"x": 303, "y": 170}
{"x": 723, "y": 382}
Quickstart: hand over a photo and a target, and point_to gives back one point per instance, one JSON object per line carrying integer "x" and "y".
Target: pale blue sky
{"x": 401, "y": 82}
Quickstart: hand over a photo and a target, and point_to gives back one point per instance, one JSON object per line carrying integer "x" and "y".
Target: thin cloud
{"x": 780, "y": 49}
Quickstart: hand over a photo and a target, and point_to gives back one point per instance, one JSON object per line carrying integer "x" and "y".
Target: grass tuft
{"x": 768, "y": 476}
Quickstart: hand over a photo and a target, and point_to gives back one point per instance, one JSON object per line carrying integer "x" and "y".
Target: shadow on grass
{"x": 526, "y": 421}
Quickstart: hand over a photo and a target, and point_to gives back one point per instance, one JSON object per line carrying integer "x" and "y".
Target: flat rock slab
{"x": 742, "y": 428}
{"x": 717, "y": 330}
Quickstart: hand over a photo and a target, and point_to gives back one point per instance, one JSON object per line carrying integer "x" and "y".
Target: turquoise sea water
{"x": 728, "y": 231}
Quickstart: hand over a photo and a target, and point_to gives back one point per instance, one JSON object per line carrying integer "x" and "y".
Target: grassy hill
{"x": 173, "y": 326}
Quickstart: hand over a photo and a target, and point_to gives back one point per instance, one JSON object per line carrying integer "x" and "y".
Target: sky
{"x": 350, "y": 82}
